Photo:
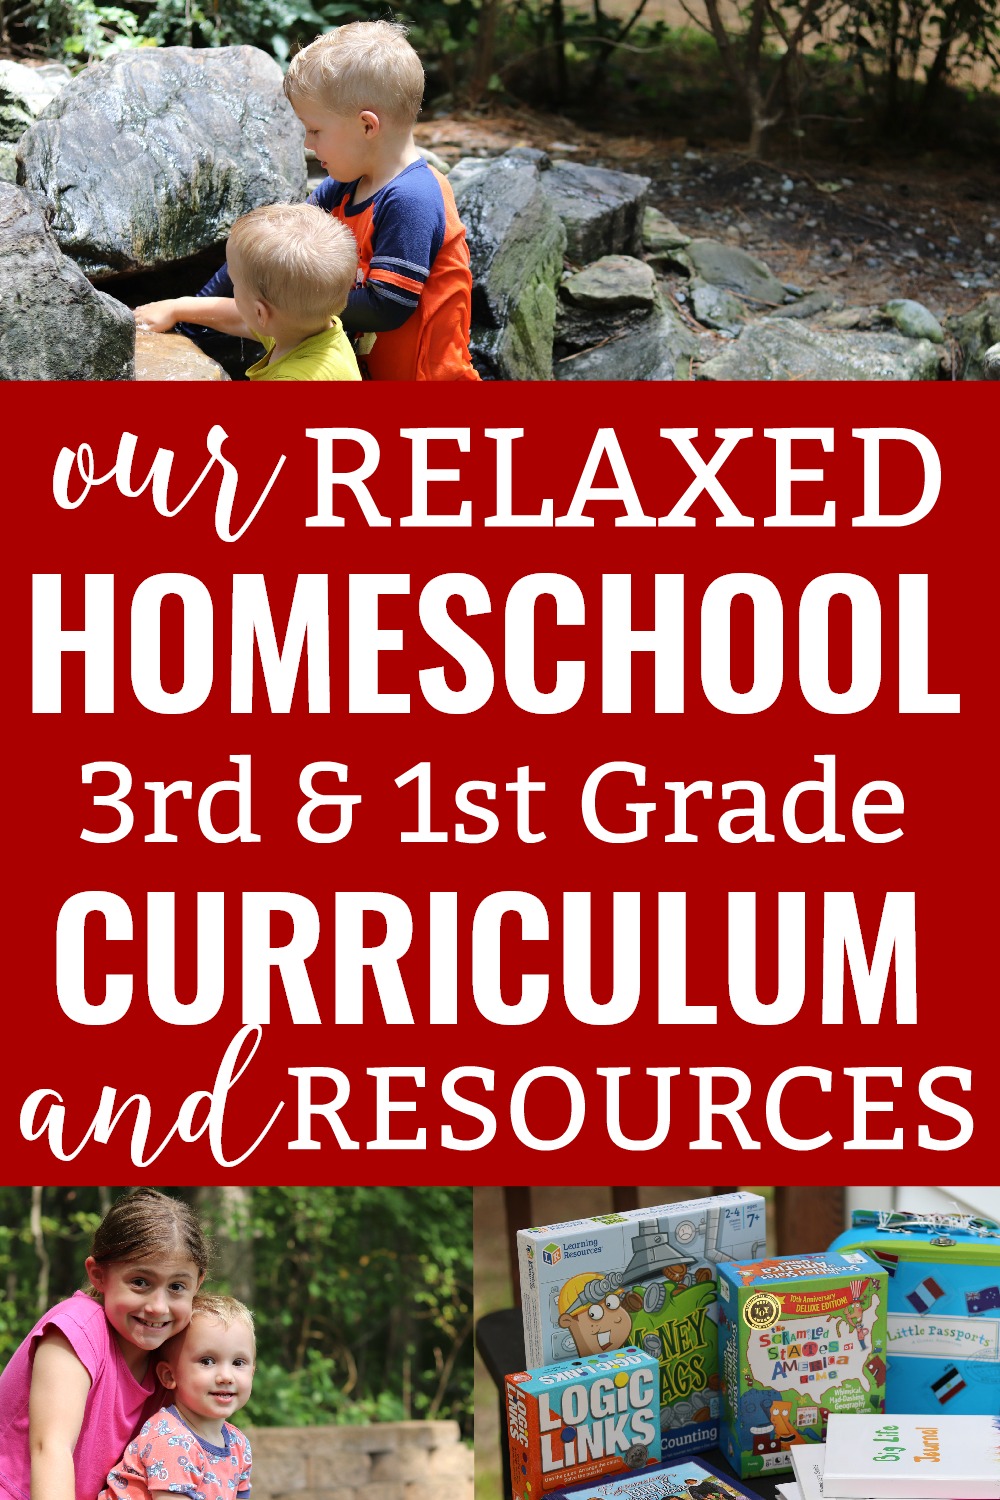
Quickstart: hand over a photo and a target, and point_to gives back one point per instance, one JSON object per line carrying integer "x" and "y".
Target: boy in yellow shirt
{"x": 292, "y": 267}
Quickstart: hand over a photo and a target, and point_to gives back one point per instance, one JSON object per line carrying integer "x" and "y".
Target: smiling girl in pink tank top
{"x": 83, "y": 1381}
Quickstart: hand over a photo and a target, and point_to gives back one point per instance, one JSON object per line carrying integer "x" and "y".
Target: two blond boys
{"x": 357, "y": 93}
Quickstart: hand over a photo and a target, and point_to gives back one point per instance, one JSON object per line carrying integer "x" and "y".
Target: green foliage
{"x": 897, "y": 60}
{"x": 906, "y": 50}
{"x": 81, "y": 30}
{"x": 313, "y": 1394}
{"x": 363, "y": 1296}
{"x": 277, "y": 26}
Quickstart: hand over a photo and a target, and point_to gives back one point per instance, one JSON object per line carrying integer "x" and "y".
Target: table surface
{"x": 500, "y": 1341}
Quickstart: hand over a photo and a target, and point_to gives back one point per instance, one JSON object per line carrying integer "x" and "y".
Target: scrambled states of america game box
{"x": 800, "y": 1336}
{"x": 581, "y": 1420}
{"x": 646, "y": 1280}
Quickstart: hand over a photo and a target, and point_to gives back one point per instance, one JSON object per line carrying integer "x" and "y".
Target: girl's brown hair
{"x": 148, "y": 1223}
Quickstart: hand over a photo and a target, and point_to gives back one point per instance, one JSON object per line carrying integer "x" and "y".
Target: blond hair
{"x": 364, "y": 65}
{"x": 226, "y": 1310}
{"x": 296, "y": 258}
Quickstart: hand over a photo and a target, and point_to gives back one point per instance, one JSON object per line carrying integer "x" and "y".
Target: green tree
{"x": 363, "y": 1296}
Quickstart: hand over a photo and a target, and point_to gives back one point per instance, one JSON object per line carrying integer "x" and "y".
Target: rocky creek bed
{"x": 689, "y": 265}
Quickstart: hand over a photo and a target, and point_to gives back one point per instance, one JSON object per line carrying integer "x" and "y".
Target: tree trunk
{"x": 482, "y": 67}
{"x": 228, "y": 1210}
{"x": 559, "y": 37}
{"x": 892, "y": 71}
{"x": 38, "y": 1240}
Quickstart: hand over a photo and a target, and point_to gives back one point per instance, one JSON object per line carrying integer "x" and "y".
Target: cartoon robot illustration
{"x": 596, "y": 1309}
{"x": 597, "y": 1317}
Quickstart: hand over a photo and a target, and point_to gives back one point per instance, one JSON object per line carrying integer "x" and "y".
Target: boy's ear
{"x": 165, "y": 1375}
{"x": 370, "y": 121}
{"x": 263, "y": 313}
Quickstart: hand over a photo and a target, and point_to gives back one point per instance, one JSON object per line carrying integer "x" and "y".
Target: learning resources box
{"x": 645, "y": 1280}
{"x": 799, "y": 1337}
{"x": 579, "y": 1421}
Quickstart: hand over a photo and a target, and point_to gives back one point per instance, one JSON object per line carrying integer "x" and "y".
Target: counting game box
{"x": 578, "y": 1421}
{"x": 799, "y": 1337}
{"x": 943, "y": 1308}
{"x": 644, "y": 1280}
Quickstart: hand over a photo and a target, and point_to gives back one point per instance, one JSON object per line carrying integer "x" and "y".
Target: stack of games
{"x": 646, "y": 1280}
{"x": 575, "y": 1422}
{"x": 800, "y": 1337}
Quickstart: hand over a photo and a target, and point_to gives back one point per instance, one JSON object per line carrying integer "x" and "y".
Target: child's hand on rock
{"x": 157, "y": 317}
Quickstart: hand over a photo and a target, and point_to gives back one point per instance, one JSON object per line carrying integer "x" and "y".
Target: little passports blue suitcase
{"x": 943, "y": 1341}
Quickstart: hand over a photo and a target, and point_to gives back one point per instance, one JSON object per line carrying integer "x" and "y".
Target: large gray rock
{"x": 516, "y": 244}
{"x": 977, "y": 331}
{"x": 657, "y": 347}
{"x": 991, "y": 363}
{"x": 15, "y": 112}
{"x": 602, "y": 211}
{"x": 24, "y": 93}
{"x": 734, "y": 269}
{"x": 150, "y": 155}
{"x": 53, "y": 324}
{"x": 466, "y": 170}
{"x": 773, "y": 349}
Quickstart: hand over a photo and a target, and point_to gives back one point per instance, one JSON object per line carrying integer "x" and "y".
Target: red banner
{"x": 530, "y": 787}
{"x": 816, "y": 1304}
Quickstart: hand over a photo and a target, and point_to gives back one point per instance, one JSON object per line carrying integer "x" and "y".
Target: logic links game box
{"x": 580, "y": 1420}
{"x": 800, "y": 1336}
{"x": 645, "y": 1279}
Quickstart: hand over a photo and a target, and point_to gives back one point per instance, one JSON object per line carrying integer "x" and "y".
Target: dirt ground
{"x": 923, "y": 228}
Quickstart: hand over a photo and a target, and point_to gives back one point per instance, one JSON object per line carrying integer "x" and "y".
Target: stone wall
{"x": 385, "y": 1461}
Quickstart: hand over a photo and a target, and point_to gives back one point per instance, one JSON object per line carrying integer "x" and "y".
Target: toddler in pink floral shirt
{"x": 191, "y": 1448}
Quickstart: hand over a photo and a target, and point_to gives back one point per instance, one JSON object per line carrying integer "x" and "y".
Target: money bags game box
{"x": 646, "y": 1279}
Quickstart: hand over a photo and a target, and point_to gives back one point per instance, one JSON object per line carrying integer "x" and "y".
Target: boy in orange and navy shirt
{"x": 357, "y": 92}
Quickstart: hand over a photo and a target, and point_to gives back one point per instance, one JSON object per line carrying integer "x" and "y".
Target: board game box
{"x": 943, "y": 1310}
{"x": 677, "y": 1480}
{"x": 581, "y": 1420}
{"x": 799, "y": 1337}
{"x": 647, "y": 1280}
